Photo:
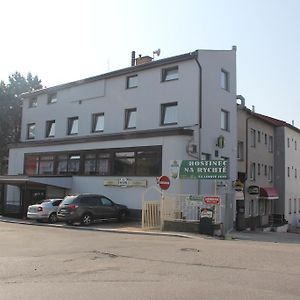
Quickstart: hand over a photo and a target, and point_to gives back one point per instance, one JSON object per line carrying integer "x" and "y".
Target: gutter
{"x": 200, "y": 113}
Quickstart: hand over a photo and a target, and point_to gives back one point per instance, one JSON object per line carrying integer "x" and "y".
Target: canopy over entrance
{"x": 268, "y": 193}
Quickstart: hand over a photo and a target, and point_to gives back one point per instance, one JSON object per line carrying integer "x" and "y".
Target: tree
{"x": 11, "y": 110}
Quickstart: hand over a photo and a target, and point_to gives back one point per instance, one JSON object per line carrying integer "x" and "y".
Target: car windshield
{"x": 68, "y": 200}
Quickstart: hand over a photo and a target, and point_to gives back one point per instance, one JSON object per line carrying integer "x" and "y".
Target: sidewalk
{"x": 132, "y": 227}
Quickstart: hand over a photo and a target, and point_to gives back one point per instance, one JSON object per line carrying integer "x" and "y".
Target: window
{"x": 73, "y": 164}
{"x": 46, "y": 165}
{"x": 131, "y": 81}
{"x": 270, "y": 174}
{"x": 258, "y": 136}
{"x": 169, "y": 113}
{"x": 124, "y": 163}
{"x": 288, "y": 171}
{"x": 130, "y": 118}
{"x": 290, "y": 206}
{"x": 266, "y": 170}
{"x": 258, "y": 169}
{"x": 252, "y": 171}
{"x": 98, "y": 122}
{"x": 144, "y": 161}
{"x": 240, "y": 150}
{"x": 72, "y": 126}
{"x": 270, "y": 144}
{"x": 252, "y": 137}
{"x": 30, "y": 131}
{"x": 299, "y": 205}
{"x": 52, "y": 98}
{"x": 32, "y": 102}
{"x": 205, "y": 156}
{"x": 31, "y": 165}
{"x": 295, "y": 206}
{"x": 50, "y": 128}
{"x": 224, "y": 80}
{"x": 288, "y": 142}
{"x": 224, "y": 120}
{"x": 266, "y": 139}
{"x": 295, "y": 145}
{"x": 169, "y": 74}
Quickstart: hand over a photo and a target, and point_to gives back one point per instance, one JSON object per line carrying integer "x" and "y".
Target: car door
{"x": 108, "y": 208}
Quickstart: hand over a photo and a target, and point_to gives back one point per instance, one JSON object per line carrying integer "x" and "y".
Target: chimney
{"x": 143, "y": 60}
{"x": 133, "y": 58}
{"x": 253, "y": 108}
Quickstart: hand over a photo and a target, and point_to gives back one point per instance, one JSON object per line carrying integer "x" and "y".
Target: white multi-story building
{"x": 94, "y": 134}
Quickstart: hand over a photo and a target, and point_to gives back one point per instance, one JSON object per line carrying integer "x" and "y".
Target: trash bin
{"x": 206, "y": 222}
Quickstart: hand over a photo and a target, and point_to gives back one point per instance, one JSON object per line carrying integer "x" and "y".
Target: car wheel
{"x": 122, "y": 216}
{"x": 52, "y": 218}
{"x": 86, "y": 219}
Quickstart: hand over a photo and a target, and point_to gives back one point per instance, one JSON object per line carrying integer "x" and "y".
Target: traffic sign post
{"x": 163, "y": 182}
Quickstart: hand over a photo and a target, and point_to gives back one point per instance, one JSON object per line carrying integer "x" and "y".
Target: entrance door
{"x": 240, "y": 215}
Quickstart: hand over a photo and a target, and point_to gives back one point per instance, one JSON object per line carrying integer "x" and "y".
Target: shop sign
{"x": 125, "y": 182}
{"x": 238, "y": 185}
{"x": 199, "y": 169}
{"x": 253, "y": 190}
{"x": 211, "y": 199}
{"x": 194, "y": 198}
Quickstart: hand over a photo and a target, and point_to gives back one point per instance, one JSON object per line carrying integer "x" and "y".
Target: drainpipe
{"x": 200, "y": 113}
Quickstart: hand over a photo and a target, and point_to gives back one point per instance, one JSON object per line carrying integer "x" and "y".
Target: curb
{"x": 110, "y": 230}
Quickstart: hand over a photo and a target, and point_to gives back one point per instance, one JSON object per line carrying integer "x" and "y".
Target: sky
{"x": 63, "y": 40}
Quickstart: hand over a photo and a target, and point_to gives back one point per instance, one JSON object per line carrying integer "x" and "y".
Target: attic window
{"x": 170, "y": 74}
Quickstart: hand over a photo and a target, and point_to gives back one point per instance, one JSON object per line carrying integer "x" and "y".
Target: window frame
{"x": 71, "y": 121}
{"x": 225, "y": 118}
{"x": 29, "y": 132}
{"x": 147, "y": 162}
{"x": 165, "y": 74}
{"x": 252, "y": 138}
{"x": 135, "y": 83}
{"x": 163, "y": 113}
{"x": 49, "y": 125}
{"x": 130, "y": 116}
{"x": 52, "y": 98}
{"x": 224, "y": 80}
{"x": 240, "y": 150}
{"x": 95, "y": 118}
{"x": 252, "y": 171}
{"x": 32, "y": 102}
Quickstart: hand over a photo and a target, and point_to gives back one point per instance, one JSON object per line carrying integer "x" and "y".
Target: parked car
{"x": 44, "y": 211}
{"x": 86, "y": 208}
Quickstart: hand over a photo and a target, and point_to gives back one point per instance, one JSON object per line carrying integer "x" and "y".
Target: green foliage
{"x": 11, "y": 110}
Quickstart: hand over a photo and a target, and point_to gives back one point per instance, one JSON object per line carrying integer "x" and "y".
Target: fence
{"x": 171, "y": 207}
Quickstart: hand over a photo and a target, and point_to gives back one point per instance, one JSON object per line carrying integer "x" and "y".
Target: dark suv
{"x": 86, "y": 208}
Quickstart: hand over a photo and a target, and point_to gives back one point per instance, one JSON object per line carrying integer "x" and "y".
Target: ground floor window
{"x": 143, "y": 161}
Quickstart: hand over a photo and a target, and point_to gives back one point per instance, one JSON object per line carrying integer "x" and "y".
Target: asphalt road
{"x": 58, "y": 263}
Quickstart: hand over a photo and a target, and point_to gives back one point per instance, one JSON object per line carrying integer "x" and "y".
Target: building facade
{"x": 256, "y": 169}
{"x": 115, "y": 133}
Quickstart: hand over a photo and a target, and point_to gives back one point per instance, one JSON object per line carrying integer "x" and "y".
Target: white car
{"x": 45, "y": 211}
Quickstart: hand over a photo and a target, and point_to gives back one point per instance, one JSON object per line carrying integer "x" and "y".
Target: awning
{"x": 269, "y": 193}
{"x": 239, "y": 195}
{"x": 20, "y": 180}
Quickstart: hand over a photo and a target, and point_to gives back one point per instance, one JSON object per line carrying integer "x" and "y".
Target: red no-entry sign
{"x": 164, "y": 182}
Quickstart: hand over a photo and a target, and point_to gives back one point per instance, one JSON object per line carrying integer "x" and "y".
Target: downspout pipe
{"x": 200, "y": 112}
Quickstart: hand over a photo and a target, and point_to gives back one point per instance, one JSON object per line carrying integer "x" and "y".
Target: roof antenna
{"x": 157, "y": 52}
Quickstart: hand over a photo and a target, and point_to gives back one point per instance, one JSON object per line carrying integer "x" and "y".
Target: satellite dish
{"x": 157, "y": 52}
